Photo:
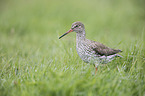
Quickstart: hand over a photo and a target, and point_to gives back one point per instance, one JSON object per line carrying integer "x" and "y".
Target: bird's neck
{"x": 80, "y": 36}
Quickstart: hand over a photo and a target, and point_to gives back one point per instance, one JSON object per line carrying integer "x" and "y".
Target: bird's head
{"x": 77, "y": 27}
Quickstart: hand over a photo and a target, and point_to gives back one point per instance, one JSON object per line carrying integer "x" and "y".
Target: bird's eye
{"x": 76, "y": 26}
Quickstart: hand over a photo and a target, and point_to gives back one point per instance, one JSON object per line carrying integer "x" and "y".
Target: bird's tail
{"x": 117, "y": 55}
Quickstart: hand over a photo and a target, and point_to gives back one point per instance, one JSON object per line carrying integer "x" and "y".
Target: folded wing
{"x": 101, "y": 49}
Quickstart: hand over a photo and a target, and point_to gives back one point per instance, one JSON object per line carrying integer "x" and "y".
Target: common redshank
{"x": 91, "y": 51}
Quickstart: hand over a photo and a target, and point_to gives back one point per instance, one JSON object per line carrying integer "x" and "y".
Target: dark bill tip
{"x": 65, "y": 33}
{"x": 62, "y": 35}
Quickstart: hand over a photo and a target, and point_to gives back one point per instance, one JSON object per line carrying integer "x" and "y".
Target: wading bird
{"x": 91, "y": 51}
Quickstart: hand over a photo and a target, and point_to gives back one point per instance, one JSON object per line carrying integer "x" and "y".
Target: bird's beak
{"x": 71, "y": 30}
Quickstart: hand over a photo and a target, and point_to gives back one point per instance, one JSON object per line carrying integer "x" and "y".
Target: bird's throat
{"x": 80, "y": 36}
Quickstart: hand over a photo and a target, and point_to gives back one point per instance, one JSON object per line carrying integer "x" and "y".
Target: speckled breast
{"x": 85, "y": 52}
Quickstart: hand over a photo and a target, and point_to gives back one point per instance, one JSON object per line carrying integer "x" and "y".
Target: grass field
{"x": 34, "y": 62}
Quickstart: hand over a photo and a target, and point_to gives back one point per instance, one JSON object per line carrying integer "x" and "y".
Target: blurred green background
{"x": 33, "y": 61}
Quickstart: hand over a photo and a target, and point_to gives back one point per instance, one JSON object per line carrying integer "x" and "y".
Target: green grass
{"x": 34, "y": 62}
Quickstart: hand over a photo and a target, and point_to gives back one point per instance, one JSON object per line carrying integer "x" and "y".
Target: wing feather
{"x": 101, "y": 49}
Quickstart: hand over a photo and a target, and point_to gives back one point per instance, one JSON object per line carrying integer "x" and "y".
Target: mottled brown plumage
{"x": 103, "y": 50}
{"x": 91, "y": 51}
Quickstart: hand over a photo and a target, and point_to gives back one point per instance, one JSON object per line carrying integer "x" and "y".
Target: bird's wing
{"x": 101, "y": 49}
